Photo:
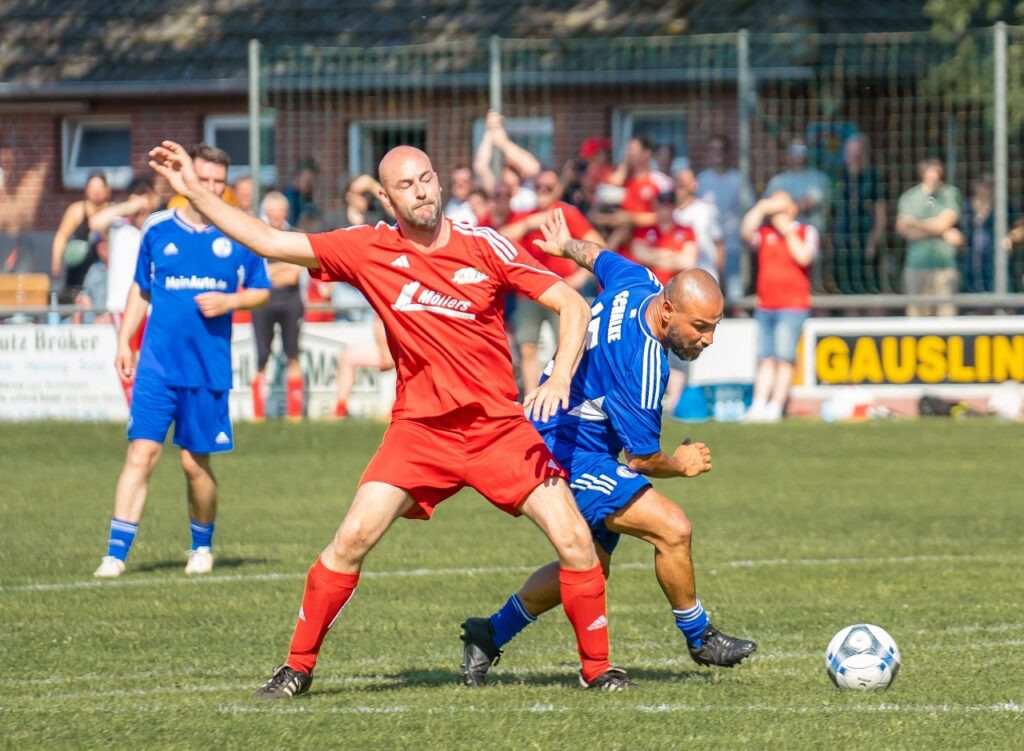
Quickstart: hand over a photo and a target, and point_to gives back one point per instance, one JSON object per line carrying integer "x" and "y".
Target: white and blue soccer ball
{"x": 862, "y": 656}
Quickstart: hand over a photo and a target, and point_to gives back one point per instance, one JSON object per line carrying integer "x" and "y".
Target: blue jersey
{"x": 176, "y": 263}
{"x": 615, "y": 399}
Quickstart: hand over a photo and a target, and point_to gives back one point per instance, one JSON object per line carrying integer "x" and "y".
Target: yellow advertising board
{"x": 915, "y": 352}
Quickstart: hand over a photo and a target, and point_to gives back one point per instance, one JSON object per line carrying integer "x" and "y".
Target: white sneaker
{"x": 200, "y": 561}
{"x": 772, "y": 413}
{"x": 110, "y": 568}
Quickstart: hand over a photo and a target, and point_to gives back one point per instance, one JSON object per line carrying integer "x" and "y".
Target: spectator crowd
{"x": 835, "y": 232}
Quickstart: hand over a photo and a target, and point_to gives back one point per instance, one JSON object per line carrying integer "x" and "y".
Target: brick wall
{"x": 34, "y": 196}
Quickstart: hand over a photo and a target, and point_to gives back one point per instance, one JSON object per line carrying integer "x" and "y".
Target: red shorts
{"x": 503, "y": 459}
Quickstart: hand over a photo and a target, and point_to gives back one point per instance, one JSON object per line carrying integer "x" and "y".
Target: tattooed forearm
{"x": 584, "y": 253}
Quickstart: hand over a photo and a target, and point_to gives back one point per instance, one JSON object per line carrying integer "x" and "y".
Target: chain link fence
{"x": 843, "y": 121}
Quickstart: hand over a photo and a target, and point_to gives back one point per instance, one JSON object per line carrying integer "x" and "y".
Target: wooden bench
{"x": 18, "y": 290}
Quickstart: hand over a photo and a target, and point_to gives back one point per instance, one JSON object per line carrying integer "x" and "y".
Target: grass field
{"x": 801, "y": 529}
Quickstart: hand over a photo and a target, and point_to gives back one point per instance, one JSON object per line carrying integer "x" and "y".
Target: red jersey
{"x": 575, "y": 222}
{"x": 671, "y": 240}
{"x": 781, "y": 281}
{"x": 443, "y": 311}
{"x": 640, "y": 193}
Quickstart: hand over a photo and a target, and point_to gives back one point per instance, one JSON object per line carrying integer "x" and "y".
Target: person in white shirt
{"x": 458, "y": 208}
{"x": 123, "y": 222}
{"x": 732, "y": 195}
{"x": 702, "y": 217}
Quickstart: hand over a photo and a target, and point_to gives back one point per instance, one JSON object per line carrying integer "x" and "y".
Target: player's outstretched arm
{"x": 573, "y": 318}
{"x": 559, "y": 243}
{"x": 171, "y": 160}
{"x": 688, "y": 460}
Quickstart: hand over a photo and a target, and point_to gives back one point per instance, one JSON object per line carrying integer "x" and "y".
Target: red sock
{"x": 341, "y": 408}
{"x": 259, "y": 386}
{"x": 293, "y": 390}
{"x": 326, "y": 594}
{"x": 583, "y": 597}
{"x": 126, "y": 386}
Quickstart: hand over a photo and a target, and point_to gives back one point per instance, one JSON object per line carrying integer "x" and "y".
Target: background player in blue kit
{"x": 615, "y": 406}
{"x": 194, "y": 277}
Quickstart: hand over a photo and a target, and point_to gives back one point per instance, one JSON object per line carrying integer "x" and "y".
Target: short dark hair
{"x": 210, "y": 153}
{"x": 645, "y": 142}
{"x": 97, "y": 174}
{"x": 140, "y": 185}
{"x": 723, "y": 139}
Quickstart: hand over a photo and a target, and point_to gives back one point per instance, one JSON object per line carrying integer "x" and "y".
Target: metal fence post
{"x": 743, "y": 92}
{"x": 497, "y": 158}
{"x": 1000, "y": 157}
{"x": 254, "y": 120}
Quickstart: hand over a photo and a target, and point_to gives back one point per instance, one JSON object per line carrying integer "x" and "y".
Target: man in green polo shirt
{"x": 926, "y": 217}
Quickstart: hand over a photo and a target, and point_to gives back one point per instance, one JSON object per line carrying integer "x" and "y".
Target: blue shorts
{"x": 202, "y": 423}
{"x": 602, "y": 486}
{"x": 778, "y": 331}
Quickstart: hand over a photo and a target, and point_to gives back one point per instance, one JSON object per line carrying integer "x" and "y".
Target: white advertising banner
{"x": 59, "y": 372}
{"x": 67, "y": 372}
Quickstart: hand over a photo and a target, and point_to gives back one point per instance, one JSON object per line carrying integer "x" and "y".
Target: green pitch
{"x": 801, "y": 529}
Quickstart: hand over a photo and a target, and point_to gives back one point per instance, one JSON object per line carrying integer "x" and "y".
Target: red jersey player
{"x": 438, "y": 288}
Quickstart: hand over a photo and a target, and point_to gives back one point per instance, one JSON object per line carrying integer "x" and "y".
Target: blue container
{"x": 692, "y": 405}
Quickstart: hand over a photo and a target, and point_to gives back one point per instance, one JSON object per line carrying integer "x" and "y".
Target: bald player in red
{"x": 438, "y": 286}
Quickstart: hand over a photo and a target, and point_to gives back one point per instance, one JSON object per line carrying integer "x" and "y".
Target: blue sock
{"x": 122, "y": 535}
{"x": 692, "y": 623}
{"x": 202, "y": 534}
{"x": 510, "y": 620}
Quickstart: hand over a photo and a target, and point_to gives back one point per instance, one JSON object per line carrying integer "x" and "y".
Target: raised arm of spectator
{"x": 753, "y": 219}
{"x": 516, "y": 157}
{"x": 482, "y": 163}
{"x": 73, "y": 216}
{"x": 102, "y": 219}
{"x": 803, "y": 247}
{"x": 171, "y": 160}
{"x": 364, "y": 184}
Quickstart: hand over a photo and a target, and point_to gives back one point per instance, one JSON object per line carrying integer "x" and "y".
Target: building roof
{"x": 84, "y": 47}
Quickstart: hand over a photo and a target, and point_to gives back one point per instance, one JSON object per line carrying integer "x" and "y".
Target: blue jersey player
{"x": 615, "y": 408}
{"x": 194, "y": 277}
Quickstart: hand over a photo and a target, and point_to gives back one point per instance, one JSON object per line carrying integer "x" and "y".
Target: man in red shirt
{"x": 641, "y": 187}
{"x": 785, "y": 250}
{"x": 438, "y": 288}
{"x": 666, "y": 248}
{"x": 524, "y": 228}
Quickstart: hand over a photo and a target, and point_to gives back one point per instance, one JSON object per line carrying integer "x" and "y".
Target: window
{"x": 369, "y": 141}
{"x": 92, "y": 145}
{"x": 662, "y": 125}
{"x": 532, "y": 133}
{"x": 231, "y": 133}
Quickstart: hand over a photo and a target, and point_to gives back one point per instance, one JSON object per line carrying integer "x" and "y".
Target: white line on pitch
{"x": 302, "y": 707}
{"x": 182, "y": 677}
{"x": 130, "y": 581}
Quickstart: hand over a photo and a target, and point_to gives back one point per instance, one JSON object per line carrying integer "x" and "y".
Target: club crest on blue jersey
{"x": 222, "y": 247}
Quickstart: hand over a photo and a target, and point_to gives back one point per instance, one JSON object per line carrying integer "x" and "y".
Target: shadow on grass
{"x": 445, "y": 678}
{"x": 218, "y": 564}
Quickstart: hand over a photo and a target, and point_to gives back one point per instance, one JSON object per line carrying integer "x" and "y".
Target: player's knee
{"x": 142, "y": 457}
{"x": 195, "y": 468}
{"x": 677, "y": 531}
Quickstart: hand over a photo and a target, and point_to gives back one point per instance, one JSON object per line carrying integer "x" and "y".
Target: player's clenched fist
{"x": 213, "y": 304}
{"x": 694, "y": 458}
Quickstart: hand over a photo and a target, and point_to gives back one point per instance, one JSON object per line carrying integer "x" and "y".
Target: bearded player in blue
{"x": 195, "y": 278}
{"x": 615, "y": 407}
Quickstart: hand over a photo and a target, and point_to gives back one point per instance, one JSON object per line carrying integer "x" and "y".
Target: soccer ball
{"x": 862, "y": 656}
